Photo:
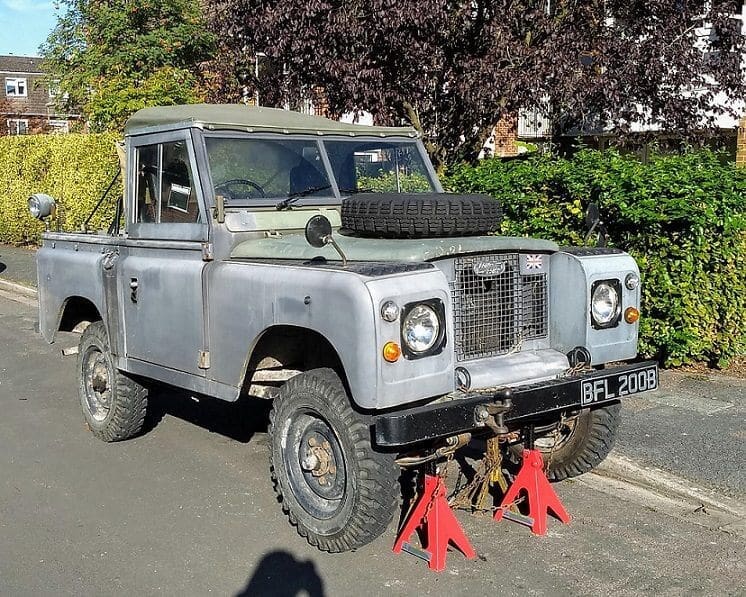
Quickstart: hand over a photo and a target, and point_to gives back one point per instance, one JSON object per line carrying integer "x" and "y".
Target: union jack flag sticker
{"x": 534, "y": 262}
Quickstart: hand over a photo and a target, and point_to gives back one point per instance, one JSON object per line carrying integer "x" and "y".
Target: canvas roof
{"x": 251, "y": 119}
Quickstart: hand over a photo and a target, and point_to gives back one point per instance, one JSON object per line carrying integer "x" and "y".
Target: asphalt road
{"x": 693, "y": 426}
{"x": 18, "y": 264}
{"x": 187, "y": 509}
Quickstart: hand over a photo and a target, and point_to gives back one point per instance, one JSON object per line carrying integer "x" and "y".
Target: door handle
{"x": 134, "y": 284}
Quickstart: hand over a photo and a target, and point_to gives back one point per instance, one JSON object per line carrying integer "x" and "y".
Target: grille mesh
{"x": 495, "y": 308}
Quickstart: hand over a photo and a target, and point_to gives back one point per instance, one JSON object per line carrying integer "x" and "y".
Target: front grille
{"x": 495, "y": 307}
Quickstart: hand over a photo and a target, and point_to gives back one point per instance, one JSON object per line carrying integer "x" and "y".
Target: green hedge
{"x": 74, "y": 169}
{"x": 683, "y": 217}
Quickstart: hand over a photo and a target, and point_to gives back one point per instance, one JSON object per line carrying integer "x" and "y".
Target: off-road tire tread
{"x": 378, "y": 473}
{"x": 130, "y": 398}
{"x": 593, "y": 449}
{"x": 420, "y": 216}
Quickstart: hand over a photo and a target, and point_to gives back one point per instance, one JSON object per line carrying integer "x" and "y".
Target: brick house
{"x": 27, "y": 104}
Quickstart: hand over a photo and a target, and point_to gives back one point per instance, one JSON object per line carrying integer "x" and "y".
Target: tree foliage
{"x": 112, "y": 57}
{"x": 453, "y": 69}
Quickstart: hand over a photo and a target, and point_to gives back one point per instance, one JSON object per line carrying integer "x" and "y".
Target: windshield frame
{"x": 334, "y": 197}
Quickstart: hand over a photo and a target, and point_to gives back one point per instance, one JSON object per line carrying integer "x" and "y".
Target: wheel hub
{"x": 100, "y": 378}
{"x": 97, "y": 382}
{"x": 557, "y": 438}
{"x": 318, "y": 459}
{"x": 315, "y": 464}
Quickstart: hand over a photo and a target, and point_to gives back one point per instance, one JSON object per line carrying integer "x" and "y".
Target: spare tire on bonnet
{"x": 420, "y": 215}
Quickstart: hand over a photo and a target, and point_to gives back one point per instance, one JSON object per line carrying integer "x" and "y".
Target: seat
{"x": 306, "y": 176}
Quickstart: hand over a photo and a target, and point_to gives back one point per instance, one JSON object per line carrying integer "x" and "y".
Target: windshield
{"x": 379, "y": 167}
{"x": 266, "y": 168}
{"x": 252, "y": 169}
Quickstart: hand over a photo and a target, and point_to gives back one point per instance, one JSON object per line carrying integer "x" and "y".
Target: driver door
{"x": 161, "y": 270}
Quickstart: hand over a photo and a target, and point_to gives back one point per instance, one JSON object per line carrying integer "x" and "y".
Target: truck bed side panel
{"x": 67, "y": 269}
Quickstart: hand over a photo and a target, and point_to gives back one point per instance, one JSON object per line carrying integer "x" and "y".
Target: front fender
{"x": 340, "y": 305}
{"x": 247, "y": 298}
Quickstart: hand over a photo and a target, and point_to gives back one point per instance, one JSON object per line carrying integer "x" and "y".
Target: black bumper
{"x": 589, "y": 389}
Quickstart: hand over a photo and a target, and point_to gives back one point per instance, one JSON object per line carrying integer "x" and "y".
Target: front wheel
{"x": 338, "y": 492}
{"x": 579, "y": 444}
{"x": 113, "y": 404}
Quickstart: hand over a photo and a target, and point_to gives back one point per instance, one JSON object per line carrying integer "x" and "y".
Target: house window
{"x": 15, "y": 87}
{"x": 55, "y": 92}
{"x": 59, "y": 126}
{"x": 17, "y": 126}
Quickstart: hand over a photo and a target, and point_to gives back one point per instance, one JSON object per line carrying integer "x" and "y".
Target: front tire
{"x": 114, "y": 405}
{"x": 338, "y": 492}
{"x": 581, "y": 445}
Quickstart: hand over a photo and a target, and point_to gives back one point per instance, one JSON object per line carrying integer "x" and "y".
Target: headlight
{"x": 605, "y": 303}
{"x": 420, "y": 328}
{"x": 40, "y": 205}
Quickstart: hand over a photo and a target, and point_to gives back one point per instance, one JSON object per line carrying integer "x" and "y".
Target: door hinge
{"x": 204, "y": 359}
{"x": 207, "y": 252}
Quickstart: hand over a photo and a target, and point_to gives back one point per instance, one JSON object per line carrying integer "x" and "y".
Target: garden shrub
{"x": 683, "y": 217}
{"x": 74, "y": 169}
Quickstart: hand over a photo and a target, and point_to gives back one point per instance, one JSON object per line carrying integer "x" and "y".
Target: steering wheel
{"x": 229, "y": 188}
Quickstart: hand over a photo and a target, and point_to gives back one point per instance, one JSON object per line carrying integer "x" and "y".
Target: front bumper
{"x": 532, "y": 402}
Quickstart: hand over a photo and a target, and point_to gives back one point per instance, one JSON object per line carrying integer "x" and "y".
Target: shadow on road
{"x": 281, "y": 575}
{"x": 239, "y": 420}
{"x": 3, "y": 267}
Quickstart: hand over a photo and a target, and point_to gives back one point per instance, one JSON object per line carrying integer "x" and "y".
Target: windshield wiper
{"x": 293, "y": 197}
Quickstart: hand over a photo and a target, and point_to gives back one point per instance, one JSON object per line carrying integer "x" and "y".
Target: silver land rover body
{"x": 264, "y": 253}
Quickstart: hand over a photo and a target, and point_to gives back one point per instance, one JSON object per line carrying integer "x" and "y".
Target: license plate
{"x": 618, "y": 385}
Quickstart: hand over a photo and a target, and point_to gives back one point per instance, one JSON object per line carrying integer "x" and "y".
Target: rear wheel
{"x": 113, "y": 404}
{"x": 338, "y": 492}
{"x": 579, "y": 444}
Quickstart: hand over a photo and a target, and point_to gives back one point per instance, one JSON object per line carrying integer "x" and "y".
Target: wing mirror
{"x": 592, "y": 217}
{"x": 594, "y": 224}
{"x": 41, "y": 206}
{"x": 319, "y": 234}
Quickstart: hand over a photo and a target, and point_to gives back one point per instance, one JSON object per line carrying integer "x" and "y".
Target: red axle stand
{"x": 539, "y": 493}
{"x": 433, "y": 513}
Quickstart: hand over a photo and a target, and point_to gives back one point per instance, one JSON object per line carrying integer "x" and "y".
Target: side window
{"x": 165, "y": 185}
{"x": 147, "y": 183}
{"x": 178, "y": 195}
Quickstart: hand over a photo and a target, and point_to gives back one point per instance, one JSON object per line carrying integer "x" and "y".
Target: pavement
{"x": 18, "y": 265}
{"x": 188, "y": 509}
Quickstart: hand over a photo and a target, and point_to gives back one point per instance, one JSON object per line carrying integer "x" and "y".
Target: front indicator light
{"x": 631, "y": 315}
{"x": 391, "y": 352}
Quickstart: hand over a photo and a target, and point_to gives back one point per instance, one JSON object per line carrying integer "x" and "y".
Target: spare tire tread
{"x": 420, "y": 215}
